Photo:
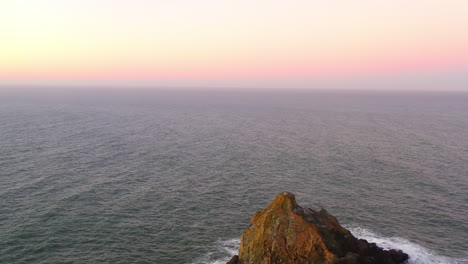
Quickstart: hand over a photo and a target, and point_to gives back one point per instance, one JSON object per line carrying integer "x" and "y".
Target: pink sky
{"x": 222, "y": 42}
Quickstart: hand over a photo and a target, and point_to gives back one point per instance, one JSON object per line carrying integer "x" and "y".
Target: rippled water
{"x": 174, "y": 177}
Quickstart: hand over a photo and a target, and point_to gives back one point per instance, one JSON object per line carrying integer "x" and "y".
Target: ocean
{"x": 175, "y": 176}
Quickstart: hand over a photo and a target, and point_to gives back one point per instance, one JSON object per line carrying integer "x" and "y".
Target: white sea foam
{"x": 417, "y": 253}
{"x": 224, "y": 252}
{"x": 231, "y": 246}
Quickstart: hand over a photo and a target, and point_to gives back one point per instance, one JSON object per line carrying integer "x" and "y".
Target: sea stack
{"x": 285, "y": 233}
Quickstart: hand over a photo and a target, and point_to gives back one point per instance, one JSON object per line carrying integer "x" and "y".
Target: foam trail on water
{"x": 417, "y": 253}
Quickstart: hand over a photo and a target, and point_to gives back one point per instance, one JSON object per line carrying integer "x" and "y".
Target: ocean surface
{"x": 174, "y": 177}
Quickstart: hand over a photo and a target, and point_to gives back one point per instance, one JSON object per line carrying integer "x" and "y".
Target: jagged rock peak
{"x": 285, "y": 200}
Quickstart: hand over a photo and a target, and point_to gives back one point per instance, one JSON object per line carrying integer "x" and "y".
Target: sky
{"x": 391, "y": 44}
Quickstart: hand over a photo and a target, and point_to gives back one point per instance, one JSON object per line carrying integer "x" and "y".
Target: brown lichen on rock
{"x": 286, "y": 233}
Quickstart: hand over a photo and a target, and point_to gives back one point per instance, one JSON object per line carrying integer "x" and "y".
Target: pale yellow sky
{"x": 184, "y": 40}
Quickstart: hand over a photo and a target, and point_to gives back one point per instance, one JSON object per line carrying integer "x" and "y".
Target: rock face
{"x": 285, "y": 233}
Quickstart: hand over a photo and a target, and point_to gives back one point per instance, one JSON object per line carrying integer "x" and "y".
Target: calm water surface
{"x": 174, "y": 177}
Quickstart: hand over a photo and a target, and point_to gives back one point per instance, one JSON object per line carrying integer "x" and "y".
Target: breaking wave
{"x": 417, "y": 253}
{"x": 224, "y": 250}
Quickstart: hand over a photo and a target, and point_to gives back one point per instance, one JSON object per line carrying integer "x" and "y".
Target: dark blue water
{"x": 174, "y": 177}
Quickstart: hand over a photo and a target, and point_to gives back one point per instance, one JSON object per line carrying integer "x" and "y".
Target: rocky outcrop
{"x": 285, "y": 233}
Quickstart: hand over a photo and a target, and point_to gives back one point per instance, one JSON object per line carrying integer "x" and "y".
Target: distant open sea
{"x": 175, "y": 176}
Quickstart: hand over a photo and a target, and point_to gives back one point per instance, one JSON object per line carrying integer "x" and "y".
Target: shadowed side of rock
{"x": 234, "y": 260}
{"x": 286, "y": 233}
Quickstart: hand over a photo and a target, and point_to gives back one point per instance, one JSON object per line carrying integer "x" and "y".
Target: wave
{"x": 417, "y": 253}
{"x": 224, "y": 250}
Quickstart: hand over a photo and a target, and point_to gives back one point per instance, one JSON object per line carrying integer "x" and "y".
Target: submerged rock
{"x": 286, "y": 233}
